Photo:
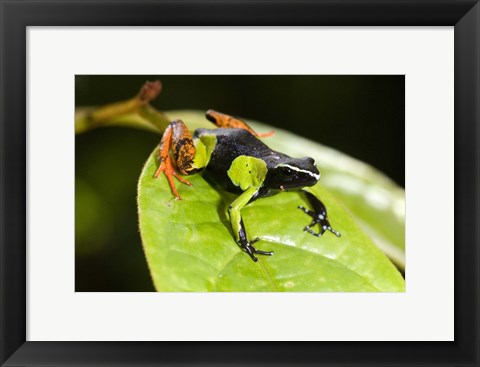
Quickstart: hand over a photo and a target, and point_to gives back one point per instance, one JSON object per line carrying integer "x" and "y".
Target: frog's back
{"x": 230, "y": 144}
{"x": 236, "y": 142}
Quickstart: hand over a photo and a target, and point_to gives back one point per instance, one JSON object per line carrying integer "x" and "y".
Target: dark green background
{"x": 363, "y": 116}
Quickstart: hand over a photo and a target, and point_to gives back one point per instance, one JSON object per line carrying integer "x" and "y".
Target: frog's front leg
{"x": 176, "y": 137}
{"x": 239, "y": 228}
{"x": 319, "y": 215}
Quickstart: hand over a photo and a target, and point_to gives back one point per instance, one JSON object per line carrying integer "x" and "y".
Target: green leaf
{"x": 375, "y": 201}
{"x": 189, "y": 245}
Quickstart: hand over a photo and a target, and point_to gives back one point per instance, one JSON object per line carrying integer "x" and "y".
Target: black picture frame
{"x": 19, "y": 14}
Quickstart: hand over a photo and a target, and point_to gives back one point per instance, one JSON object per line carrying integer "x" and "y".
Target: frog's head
{"x": 292, "y": 173}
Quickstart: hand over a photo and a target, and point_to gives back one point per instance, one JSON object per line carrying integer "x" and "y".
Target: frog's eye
{"x": 284, "y": 171}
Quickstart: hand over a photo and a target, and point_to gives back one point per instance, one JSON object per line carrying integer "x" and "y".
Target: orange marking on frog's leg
{"x": 163, "y": 150}
{"x": 226, "y": 121}
{"x": 166, "y": 165}
{"x": 265, "y": 135}
{"x": 183, "y": 148}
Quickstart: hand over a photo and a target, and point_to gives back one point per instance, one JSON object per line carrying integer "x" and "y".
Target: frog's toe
{"x": 259, "y": 252}
{"x": 247, "y": 246}
{"x": 252, "y": 256}
{"x": 267, "y": 253}
{"x": 319, "y": 234}
{"x": 323, "y": 229}
{"x": 181, "y": 179}
{"x": 334, "y": 232}
{"x": 307, "y": 228}
{"x": 305, "y": 210}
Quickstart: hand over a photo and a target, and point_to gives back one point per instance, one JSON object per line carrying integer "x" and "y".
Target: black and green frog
{"x": 233, "y": 157}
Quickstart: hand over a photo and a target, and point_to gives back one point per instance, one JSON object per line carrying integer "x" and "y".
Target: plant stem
{"x": 134, "y": 112}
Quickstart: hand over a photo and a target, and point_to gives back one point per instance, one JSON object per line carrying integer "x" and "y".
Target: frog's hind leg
{"x": 226, "y": 121}
{"x": 177, "y": 138}
{"x": 319, "y": 215}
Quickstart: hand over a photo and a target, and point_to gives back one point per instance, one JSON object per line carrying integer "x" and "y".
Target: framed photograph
{"x": 296, "y": 204}
{"x": 186, "y": 223}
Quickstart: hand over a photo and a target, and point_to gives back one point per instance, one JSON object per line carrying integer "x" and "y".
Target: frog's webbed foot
{"x": 167, "y": 168}
{"x": 319, "y": 215}
{"x": 319, "y": 219}
{"x": 247, "y": 246}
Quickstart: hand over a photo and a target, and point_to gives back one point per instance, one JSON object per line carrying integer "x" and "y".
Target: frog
{"x": 233, "y": 157}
